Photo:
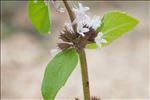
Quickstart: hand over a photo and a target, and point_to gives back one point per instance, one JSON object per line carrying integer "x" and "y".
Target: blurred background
{"x": 118, "y": 71}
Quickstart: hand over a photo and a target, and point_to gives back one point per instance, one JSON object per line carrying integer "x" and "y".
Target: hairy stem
{"x": 82, "y": 56}
{"x": 84, "y": 71}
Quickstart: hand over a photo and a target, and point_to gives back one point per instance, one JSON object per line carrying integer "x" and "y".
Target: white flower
{"x": 95, "y": 22}
{"x": 99, "y": 40}
{"x": 55, "y": 51}
{"x": 68, "y": 26}
{"x": 80, "y": 13}
{"x": 81, "y": 10}
{"x": 81, "y": 30}
{"x": 82, "y": 19}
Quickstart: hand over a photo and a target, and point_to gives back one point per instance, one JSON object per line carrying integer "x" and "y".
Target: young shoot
{"x": 82, "y": 32}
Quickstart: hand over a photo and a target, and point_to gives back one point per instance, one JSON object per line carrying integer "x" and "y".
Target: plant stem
{"x": 84, "y": 71}
{"x": 71, "y": 14}
{"x": 82, "y": 56}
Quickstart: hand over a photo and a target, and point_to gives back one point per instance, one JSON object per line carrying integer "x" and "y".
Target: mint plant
{"x": 82, "y": 32}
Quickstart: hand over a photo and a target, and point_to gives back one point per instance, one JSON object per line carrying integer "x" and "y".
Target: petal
{"x": 81, "y": 34}
{"x": 79, "y": 26}
{"x": 97, "y": 40}
{"x": 100, "y": 34}
{"x": 95, "y": 22}
{"x": 80, "y": 11}
{"x": 68, "y": 26}
{"x": 84, "y": 30}
{"x": 86, "y": 8}
{"x": 80, "y": 5}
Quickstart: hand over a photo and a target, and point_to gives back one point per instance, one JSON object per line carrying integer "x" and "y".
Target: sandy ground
{"x": 117, "y": 72}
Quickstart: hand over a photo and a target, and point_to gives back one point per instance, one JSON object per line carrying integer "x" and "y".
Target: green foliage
{"x": 115, "y": 24}
{"x": 39, "y": 15}
{"x": 57, "y": 72}
{"x": 91, "y": 46}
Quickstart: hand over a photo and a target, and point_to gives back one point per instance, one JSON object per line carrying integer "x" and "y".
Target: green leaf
{"x": 39, "y": 15}
{"x": 115, "y": 24}
{"x": 57, "y": 72}
{"x": 91, "y": 46}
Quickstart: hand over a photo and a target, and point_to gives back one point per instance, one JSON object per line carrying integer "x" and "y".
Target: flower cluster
{"x": 85, "y": 33}
{"x": 83, "y": 19}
